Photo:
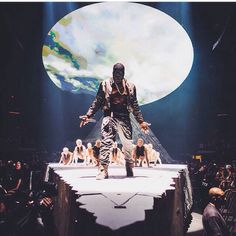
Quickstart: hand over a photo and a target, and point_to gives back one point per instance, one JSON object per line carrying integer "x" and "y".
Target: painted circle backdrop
{"x": 81, "y": 49}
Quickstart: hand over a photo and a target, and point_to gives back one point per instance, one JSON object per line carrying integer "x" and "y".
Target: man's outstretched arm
{"x": 96, "y": 104}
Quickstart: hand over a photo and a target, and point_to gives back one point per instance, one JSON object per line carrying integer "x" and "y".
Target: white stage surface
{"x": 120, "y": 201}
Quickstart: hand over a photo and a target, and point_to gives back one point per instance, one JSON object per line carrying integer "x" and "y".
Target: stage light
{"x": 49, "y": 14}
{"x": 197, "y": 157}
{"x": 54, "y": 106}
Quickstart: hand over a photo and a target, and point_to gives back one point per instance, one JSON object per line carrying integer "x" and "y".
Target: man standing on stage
{"x": 117, "y": 98}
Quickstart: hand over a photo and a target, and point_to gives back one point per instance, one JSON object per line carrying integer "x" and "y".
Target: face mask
{"x": 118, "y": 73}
{"x": 219, "y": 201}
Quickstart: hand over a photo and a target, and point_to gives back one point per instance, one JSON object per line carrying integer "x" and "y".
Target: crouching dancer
{"x": 117, "y": 98}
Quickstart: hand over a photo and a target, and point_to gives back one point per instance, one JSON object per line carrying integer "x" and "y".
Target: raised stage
{"x": 156, "y": 201}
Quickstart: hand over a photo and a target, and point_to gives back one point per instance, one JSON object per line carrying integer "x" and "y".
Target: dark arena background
{"x": 194, "y": 126}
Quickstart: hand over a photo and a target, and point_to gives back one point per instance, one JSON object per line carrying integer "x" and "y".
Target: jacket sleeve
{"x": 136, "y": 110}
{"x": 97, "y": 103}
{"x": 216, "y": 227}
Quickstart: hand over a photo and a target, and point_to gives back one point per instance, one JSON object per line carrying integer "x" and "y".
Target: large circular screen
{"x": 81, "y": 49}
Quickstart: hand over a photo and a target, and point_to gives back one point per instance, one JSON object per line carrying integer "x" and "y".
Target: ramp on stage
{"x": 157, "y": 201}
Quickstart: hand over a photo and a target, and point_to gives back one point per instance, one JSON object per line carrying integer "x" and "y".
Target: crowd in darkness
{"x": 207, "y": 174}
{"x": 26, "y": 200}
{"x": 214, "y": 195}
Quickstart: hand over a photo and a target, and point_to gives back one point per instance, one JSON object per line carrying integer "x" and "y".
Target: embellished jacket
{"x": 102, "y": 99}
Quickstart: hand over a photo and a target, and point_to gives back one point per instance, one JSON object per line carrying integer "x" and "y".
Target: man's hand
{"x": 144, "y": 127}
{"x": 47, "y": 202}
{"x": 85, "y": 120}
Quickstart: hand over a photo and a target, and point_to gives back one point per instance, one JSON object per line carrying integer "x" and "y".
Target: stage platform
{"x": 156, "y": 201}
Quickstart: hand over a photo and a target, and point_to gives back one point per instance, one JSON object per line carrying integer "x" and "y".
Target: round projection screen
{"x": 81, "y": 49}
